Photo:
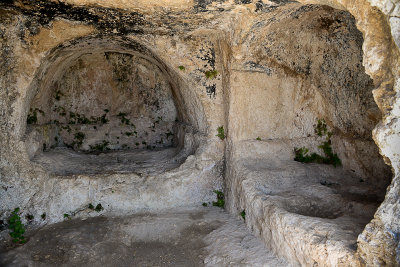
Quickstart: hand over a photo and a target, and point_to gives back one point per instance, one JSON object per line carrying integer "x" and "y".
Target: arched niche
{"x": 103, "y": 94}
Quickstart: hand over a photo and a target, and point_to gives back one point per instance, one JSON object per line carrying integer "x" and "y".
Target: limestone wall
{"x": 378, "y": 22}
{"x": 262, "y": 69}
{"x": 115, "y": 100}
{"x": 298, "y": 64}
{"x": 40, "y": 57}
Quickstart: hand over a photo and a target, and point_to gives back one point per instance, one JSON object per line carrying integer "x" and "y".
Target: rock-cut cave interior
{"x": 200, "y": 133}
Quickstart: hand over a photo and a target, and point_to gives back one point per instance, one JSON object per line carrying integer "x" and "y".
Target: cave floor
{"x": 64, "y": 162}
{"x": 205, "y": 237}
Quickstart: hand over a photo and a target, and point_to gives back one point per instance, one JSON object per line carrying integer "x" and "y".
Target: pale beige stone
{"x": 271, "y": 84}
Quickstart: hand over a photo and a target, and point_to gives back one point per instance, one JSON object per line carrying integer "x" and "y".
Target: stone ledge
{"x": 308, "y": 213}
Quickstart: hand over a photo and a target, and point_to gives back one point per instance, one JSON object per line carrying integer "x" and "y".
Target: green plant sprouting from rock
{"x": 70, "y": 122}
{"x": 211, "y": 74}
{"x": 302, "y": 154}
{"x": 79, "y": 137}
{"x": 103, "y": 146}
{"x": 221, "y": 132}
{"x": 243, "y": 214}
{"x": 76, "y": 118}
{"x": 98, "y": 207}
{"x": 220, "y": 199}
{"x": 78, "y": 140}
{"x": 16, "y": 227}
{"x": 181, "y": 67}
{"x": 321, "y": 129}
{"x": 124, "y": 119}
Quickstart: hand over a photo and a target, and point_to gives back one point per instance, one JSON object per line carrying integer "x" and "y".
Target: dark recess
{"x": 105, "y": 19}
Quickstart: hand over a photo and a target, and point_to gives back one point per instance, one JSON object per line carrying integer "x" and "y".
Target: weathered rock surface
{"x": 321, "y": 210}
{"x": 206, "y": 237}
{"x": 262, "y": 69}
{"x": 66, "y": 162}
{"x": 105, "y": 101}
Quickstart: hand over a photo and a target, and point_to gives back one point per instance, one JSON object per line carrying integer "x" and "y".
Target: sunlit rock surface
{"x": 97, "y": 95}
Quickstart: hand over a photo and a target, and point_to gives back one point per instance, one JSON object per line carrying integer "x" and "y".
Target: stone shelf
{"x": 66, "y": 162}
{"x": 310, "y": 213}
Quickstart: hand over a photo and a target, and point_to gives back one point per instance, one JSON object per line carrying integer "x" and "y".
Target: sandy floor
{"x": 205, "y": 237}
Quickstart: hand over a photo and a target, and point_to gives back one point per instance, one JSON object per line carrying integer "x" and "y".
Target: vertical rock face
{"x": 119, "y": 101}
{"x": 73, "y": 68}
{"x": 379, "y": 243}
{"x": 304, "y": 63}
{"x": 115, "y": 74}
{"x": 299, "y": 48}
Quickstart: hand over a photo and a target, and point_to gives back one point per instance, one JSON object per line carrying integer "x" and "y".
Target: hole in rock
{"x": 103, "y": 112}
